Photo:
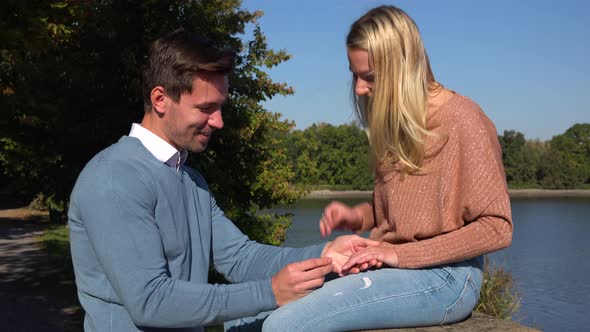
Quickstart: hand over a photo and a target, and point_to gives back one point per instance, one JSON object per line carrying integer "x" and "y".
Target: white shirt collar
{"x": 161, "y": 149}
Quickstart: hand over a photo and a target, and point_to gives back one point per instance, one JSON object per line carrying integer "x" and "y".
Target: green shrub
{"x": 38, "y": 203}
{"x": 497, "y": 296}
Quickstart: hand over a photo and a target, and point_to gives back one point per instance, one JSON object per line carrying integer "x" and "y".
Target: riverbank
{"x": 514, "y": 193}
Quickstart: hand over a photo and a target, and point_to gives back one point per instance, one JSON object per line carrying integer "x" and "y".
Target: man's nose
{"x": 216, "y": 120}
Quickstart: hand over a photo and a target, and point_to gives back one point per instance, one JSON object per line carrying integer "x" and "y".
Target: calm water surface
{"x": 548, "y": 259}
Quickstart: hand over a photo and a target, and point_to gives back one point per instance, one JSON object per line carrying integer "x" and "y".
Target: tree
{"x": 567, "y": 164}
{"x": 331, "y": 155}
{"x": 533, "y": 153}
{"x": 301, "y": 149}
{"x": 512, "y": 143}
{"x": 71, "y": 85}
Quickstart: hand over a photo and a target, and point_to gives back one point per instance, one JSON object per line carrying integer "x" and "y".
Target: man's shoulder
{"x": 127, "y": 150}
{"x": 116, "y": 173}
{"x": 126, "y": 159}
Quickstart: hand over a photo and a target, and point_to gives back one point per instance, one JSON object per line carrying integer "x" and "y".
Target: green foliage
{"x": 272, "y": 227}
{"x": 562, "y": 163}
{"x": 568, "y": 163}
{"x": 32, "y": 76}
{"x": 70, "y": 85}
{"x": 324, "y": 154}
{"x": 518, "y": 165}
{"x": 38, "y": 203}
{"x": 497, "y": 297}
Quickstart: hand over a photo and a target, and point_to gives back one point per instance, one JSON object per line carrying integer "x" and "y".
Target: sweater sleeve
{"x": 368, "y": 216}
{"x": 240, "y": 259}
{"x": 479, "y": 199}
{"x": 116, "y": 206}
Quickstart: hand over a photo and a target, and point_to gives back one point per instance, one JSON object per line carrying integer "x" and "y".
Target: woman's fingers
{"x": 325, "y": 226}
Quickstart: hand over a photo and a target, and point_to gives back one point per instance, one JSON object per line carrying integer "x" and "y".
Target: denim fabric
{"x": 384, "y": 298}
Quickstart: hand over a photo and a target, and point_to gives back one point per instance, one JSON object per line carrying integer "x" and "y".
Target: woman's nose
{"x": 362, "y": 87}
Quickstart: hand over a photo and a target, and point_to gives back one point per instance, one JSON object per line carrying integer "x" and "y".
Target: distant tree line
{"x": 337, "y": 157}
{"x": 333, "y": 156}
{"x": 561, "y": 163}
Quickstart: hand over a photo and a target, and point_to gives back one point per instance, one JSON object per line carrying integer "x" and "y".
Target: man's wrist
{"x": 275, "y": 290}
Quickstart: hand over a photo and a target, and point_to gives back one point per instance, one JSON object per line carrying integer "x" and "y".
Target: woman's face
{"x": 358, "y": 64}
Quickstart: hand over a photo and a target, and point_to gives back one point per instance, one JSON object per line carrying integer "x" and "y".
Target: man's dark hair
{"x": 175, "y": 59}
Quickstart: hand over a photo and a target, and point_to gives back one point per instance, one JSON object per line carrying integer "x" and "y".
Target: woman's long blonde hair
{"x": 396, "y": 113}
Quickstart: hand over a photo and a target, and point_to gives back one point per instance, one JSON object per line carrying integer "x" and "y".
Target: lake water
{"x": 549, "y": 258}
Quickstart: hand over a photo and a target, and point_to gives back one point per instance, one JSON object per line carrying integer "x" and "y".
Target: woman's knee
{"x": 294, "y": 316}
{"x": 275, "y": 322}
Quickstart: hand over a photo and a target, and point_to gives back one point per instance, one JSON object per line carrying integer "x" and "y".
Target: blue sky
{"x": 527, "y": 63}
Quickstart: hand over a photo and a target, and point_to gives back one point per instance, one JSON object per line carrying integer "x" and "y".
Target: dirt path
{"x": 34, "y": 296}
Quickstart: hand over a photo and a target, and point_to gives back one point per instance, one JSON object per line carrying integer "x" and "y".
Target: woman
{"x": 440, "y": 199}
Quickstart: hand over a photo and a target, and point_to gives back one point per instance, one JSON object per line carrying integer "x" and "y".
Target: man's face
{"x": 192, "y": 120}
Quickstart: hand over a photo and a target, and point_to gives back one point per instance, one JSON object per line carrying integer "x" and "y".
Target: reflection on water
{"x": 548, "y": 258}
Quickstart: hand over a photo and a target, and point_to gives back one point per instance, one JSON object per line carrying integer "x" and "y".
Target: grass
{"x": 56, "y": 241}
{"x": 336, "y": 187}
{"x": 369, "y": 187}
{"x": 524, "y": 186}
{"x": 583, "y": 186}
{"x": 497, "y": 296}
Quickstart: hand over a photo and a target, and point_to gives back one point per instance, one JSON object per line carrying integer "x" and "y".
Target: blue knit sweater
{"x": 143, "y": 236}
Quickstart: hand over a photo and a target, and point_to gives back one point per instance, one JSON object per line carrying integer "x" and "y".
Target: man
{"x": 144, "y": 227}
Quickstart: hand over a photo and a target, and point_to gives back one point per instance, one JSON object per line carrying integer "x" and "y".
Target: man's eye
{"x": 207, "y": 109}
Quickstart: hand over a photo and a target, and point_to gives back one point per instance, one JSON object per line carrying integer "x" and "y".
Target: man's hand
{"x": 343, "y": 247}
{"x": 299, "y": 279}
{"x": 363, "y": 259}
{"x": 340, "y": 216}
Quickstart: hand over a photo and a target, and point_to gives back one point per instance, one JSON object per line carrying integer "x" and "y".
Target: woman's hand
{"x": 340, "y": 216}
{"x": 343, "y": 247}
{"x": 369, "y": 257}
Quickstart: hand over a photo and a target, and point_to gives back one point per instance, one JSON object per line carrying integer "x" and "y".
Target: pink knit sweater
{"x": 457, "y": 207}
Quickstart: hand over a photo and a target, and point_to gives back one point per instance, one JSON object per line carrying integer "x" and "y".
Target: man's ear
{"x": 159, "y": 100}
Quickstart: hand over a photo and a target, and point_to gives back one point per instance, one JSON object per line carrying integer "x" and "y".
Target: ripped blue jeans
{"x": 384, "y": 298}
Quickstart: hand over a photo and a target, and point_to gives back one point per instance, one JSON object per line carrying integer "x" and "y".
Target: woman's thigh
{"x": 383, "y": 298}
